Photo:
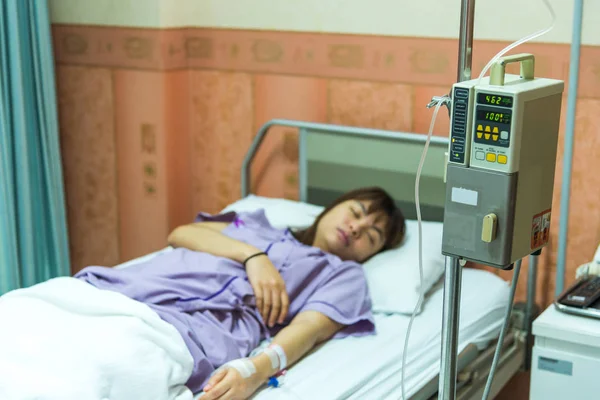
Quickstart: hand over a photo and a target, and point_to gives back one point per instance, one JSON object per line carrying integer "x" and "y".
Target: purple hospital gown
{"x": 209, "y": 300}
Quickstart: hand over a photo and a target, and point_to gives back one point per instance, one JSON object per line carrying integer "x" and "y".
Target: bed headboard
{"x": 334, "y": 159}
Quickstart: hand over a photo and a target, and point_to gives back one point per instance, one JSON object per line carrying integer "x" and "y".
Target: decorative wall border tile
{"x": 373, "y": 58}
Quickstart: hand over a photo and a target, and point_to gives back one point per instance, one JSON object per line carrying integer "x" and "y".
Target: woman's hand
{"x": 269, "y": 289}
{"x": 228, "y": 384}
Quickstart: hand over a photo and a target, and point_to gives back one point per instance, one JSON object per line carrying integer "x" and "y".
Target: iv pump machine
{"x": 501, "y": 162}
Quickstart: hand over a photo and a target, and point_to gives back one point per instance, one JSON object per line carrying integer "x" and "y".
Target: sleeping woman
{"x": 233, "y": 281}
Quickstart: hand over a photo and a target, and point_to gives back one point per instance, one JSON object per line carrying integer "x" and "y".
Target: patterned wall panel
{"x": 178, "y": 147}
{"x": 584, "y": 221}
{"x": 221, "y": 131}
{"x": 275, "y": 172}
{"x": 140, "y": 124}
{"x": 87, "y": 133}
{"x": 371, "y": 105}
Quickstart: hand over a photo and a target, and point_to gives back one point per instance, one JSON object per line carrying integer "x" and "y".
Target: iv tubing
{"x": 520, "y": 42}
{"x": 417, "y": 203}
{"x": 513, "y": 288}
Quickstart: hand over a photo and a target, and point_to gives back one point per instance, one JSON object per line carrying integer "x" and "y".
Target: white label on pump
{"x": 465, "y": 196}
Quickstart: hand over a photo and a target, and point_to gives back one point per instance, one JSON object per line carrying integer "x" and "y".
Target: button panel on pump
{"x": 492, "y": 132}
{"x": 493, "y": 126}
{"x": 460, "y": 102}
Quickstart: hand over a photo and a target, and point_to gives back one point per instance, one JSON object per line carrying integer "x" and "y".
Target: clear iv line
{"x": 439, "y": 102}
{"x": 509, "y": 306}
{"x": 520, "y": 42}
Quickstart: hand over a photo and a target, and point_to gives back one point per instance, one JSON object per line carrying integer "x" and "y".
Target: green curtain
{"x": 33, "y": 229}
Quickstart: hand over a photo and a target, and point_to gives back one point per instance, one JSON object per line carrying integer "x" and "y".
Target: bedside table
{"x": 565, "y": 363}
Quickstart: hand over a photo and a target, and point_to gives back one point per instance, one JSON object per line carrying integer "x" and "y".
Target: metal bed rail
{"x": 474, "y": 377}
{"x": 304, "y": 129}
{"x": 471, "y": 377}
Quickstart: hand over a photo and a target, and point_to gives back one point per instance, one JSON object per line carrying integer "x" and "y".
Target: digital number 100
{"x": 490, "y": 116}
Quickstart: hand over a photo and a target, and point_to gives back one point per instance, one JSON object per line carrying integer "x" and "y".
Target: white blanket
{"x": 66, "y": 340}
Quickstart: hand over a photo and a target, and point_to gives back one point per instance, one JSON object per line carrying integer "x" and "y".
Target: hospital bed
{"x": 334, "y": 159}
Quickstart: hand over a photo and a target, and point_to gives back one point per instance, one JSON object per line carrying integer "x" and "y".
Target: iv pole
{"x": 453, "y": 277}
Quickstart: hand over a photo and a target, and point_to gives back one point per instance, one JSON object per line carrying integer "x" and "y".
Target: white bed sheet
{"x": 369, "y": 368}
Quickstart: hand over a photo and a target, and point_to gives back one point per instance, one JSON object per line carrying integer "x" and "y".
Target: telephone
{"x": 583, "y": 297}
{"x": 583, "y": 294}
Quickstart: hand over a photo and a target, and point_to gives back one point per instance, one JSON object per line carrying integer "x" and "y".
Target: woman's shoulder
{"x": 251, "y": 218}
{"x": 328, "y": 260}
{"x": 338, "y": 265}
{"x": 257, "y": 220}
{"x": 257, "y": 216}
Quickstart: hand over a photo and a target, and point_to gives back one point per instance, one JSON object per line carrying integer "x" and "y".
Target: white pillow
{"x": 393, "y": 275}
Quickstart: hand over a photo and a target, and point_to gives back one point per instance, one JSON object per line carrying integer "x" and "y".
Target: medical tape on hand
{"x": 273, "y": 356}
{"x": 280, "y": 355}
{"x": 244, "y": 366}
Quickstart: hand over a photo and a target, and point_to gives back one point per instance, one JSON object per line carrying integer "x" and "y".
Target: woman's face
{"x": 350, "y": 233}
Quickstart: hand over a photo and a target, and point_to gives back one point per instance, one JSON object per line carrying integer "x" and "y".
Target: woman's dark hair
{"x": 381, "y": 201}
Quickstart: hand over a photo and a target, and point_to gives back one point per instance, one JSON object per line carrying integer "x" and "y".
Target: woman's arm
{"x": 207, "y": 237}
{"x": 307, "y": 329}
{"x": 272, "y": 300}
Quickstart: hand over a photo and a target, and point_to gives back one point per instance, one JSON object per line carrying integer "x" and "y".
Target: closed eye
{"x": 362, "y": 208}
{"x": 379, "y": 233}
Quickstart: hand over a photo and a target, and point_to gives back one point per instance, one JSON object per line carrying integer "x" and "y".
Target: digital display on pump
{"x": 495, "y": 100}
{"x": 494, "y": 116}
